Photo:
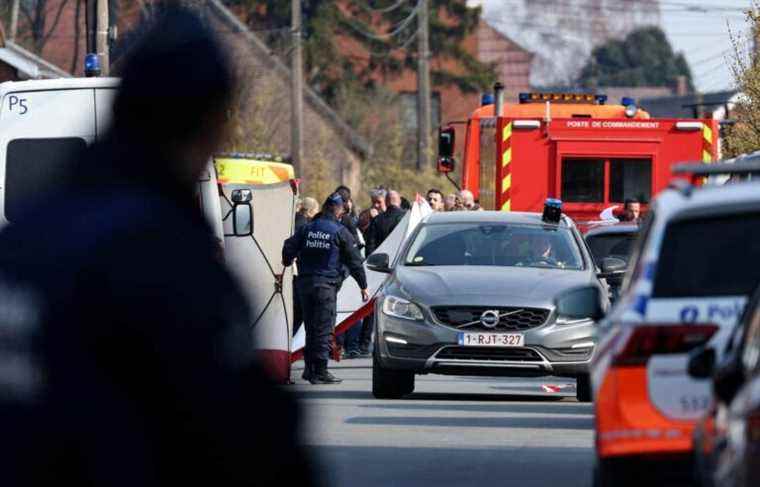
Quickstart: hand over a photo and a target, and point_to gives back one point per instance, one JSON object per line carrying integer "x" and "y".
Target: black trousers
{"x": 368, "y": 326}
{"x": 319, "y": 307}
{"x": 297, "y": 311}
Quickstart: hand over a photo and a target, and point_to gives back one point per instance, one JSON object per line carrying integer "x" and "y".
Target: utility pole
{"x": 423, "y": 86}
{"x": 90, "y": 20}
{"x": 296, "y": 90}
{"x": 103, "y": 30}
{"x": 14, "y": 20}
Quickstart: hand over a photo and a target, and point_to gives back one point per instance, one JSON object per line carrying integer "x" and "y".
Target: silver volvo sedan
{"x": 486, "y": 293}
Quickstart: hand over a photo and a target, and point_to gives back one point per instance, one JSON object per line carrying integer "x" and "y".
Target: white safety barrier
{"x": 350, "y": 306}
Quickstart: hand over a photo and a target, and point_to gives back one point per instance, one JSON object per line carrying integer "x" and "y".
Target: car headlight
{"x": 401, "y": 308}
{"x": 563, "y": 320}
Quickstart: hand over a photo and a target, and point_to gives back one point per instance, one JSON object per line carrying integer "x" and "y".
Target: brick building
{"x": 333, "y": 147}
{"x": 512, "y": 65}
{"x": 17, "y": 63}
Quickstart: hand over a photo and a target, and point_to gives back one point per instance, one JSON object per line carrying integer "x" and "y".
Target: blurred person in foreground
{"x": 435, "y": 199}
{"x": 131, "y": 339}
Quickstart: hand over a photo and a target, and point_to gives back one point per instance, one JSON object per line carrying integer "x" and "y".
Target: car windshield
{"x": 494, "y": 244}
{"x": 618, "y": 245}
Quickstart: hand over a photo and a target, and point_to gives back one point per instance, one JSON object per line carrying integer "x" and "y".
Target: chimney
{"x": 682, "y": 86}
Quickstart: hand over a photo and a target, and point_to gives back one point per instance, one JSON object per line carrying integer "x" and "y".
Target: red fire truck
{"x": 574, "y": 147}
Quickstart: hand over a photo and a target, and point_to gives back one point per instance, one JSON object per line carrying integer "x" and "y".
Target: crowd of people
{"x": 369, "y": 228}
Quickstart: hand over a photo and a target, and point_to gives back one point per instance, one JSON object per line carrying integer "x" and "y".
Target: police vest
{"x": 320, "y": 252}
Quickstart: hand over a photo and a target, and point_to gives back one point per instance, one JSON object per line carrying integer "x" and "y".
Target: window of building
{"x": 409, "y": 110}
{"x": 630, "y": 179}
{"x": 583, "y": 180}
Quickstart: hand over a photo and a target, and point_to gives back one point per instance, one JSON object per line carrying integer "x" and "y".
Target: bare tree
{"x": 41, "y": 18}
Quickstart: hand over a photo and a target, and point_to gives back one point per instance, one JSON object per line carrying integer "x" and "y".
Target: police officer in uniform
{"x": 322, "y": 247}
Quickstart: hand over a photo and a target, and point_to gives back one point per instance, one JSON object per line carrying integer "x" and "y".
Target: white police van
{"x": 42, "y": 122}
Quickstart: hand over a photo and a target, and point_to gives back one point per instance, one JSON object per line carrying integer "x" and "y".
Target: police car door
{"x": 39, "y": 130}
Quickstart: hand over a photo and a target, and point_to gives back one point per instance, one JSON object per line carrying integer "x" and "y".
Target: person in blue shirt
{"x": 322, "y": 248}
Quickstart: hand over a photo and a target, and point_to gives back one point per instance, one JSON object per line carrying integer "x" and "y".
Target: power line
{"x": 383, "y": 10}
{"x": 396, "y": 29}
{"x": 721, "y": 55}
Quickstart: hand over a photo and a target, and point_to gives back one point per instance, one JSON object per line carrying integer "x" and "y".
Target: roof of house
{"x": 354, "y": 141}
{"x": 490, "y": 24}
{"x": 28, "y": 64}
{"x": 616, "y": 93}
{"x": 685, "y": 106}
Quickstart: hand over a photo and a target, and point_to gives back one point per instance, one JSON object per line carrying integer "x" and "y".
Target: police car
{"x": 690, "y": 275}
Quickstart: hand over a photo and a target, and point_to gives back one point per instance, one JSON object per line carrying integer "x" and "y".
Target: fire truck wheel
{"x": 583, "y": 388}
{"x": 388, "y": 383}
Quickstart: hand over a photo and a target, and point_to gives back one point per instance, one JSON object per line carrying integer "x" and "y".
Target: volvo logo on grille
{"x": 489, "y": 318}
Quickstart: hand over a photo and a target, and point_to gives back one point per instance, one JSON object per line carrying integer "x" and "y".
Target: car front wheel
{"x": 388, "y": 383}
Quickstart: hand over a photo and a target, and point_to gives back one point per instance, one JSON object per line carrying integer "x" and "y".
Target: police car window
{"x": 692, "y": 263}
{"x": 582, "y": 180}
{"x": 488, "y": 244}
{"x": 36, "y": 167}
{"x": 619, "y": 245}
{"x": 630, "y": 179}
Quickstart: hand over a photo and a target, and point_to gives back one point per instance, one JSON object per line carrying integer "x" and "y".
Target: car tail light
{"x": 647, "y": 340}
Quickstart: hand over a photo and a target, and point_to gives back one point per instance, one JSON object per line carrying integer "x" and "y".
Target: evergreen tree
{"x": 643, "y": 58}
{"x": 366, "y": 41}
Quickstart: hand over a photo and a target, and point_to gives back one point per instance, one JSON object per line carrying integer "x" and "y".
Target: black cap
{"x": 334, "y": 200}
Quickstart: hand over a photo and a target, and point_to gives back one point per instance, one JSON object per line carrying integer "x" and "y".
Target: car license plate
{"x": 491, "y": 339}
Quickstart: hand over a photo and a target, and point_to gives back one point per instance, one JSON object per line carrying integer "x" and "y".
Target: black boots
{"x": 308, "y": 371}
{"x": 319, "y": 374}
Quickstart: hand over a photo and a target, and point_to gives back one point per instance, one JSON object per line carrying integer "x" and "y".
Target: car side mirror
{"x": 379, "y": 263}
{"x": 728, "y": 379}
{"x": 580, "y": 303}
{"x": 446, "y": 146}
{"x": 242, "y": 213}
{"x": 702, "y": 363}
{"x": 612, "y": 267}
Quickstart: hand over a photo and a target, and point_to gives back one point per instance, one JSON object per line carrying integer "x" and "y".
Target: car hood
{"x": 483, "y": 285}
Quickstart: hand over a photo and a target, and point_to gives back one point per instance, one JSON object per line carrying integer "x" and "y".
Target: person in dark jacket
{"x": 349, "y": 219}
{"x": 309, "y": 208}
{"x": 384, "y": 224}
{"x": 322, "y": 248}
{"x": 131, "y": 340}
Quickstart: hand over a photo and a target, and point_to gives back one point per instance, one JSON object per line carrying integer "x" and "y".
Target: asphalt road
{"x": 453, "y": 431}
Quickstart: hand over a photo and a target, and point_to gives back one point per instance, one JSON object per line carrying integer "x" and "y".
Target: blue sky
{"x": 700, "y": 29}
